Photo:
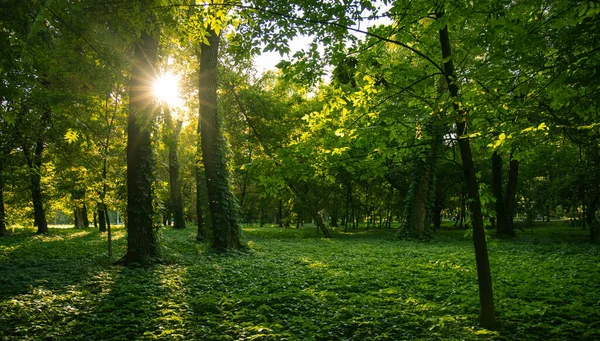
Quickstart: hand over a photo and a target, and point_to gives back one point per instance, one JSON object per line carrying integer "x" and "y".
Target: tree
{"x": 171, "y": 139}
{"x": 224, "y": 209}
{"x": 141, "y": 234}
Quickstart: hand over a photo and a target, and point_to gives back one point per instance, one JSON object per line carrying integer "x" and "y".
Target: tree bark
{"x": 175, "y": 196}
{"x": 487, "y": 316}
{"x": 141, "y": 235}
{"x": 201, "y": 232}
{"x": 510, "y": 199}
{"x": 2, "y": 211}
{"x": 35, "y": 177}
{"x": 101, "y": 217}
{"x": 498, "y": 192}
{"x": 224, "y": 210}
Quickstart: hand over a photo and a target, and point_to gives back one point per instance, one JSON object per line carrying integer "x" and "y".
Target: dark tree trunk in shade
{"x": 498, "y": 192}
{"x": 175, "y": 196}
{"x": 505, "y": 202}
{"x": 86, "y": 219}
{"x": 2, "y": 211}
{"x": 201, "y": 229}
{"x": 280, "y": 213}
{"x": 335, "y": 211}
{"x": 510, "y": 199}
{"x": 487, "y": 316}
{"x": 101, "y": 217}
{"x": 34, "y": 163}
{"x": 141, "y": 235}
{"x": 224, "y": 210}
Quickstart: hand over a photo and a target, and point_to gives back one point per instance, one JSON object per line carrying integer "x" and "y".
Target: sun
{"x": 166, "y": 89}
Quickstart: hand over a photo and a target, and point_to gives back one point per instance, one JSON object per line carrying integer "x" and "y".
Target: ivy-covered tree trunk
{"x": 421, "y": 194}
{"x": 224, "y": 210}
{"x": 141, "y": 236}
{"x": 487, "y": 316}
{"x": 201, "y": 230}
{"x": 34, "y": 163}
{"x": 175, "y": 196}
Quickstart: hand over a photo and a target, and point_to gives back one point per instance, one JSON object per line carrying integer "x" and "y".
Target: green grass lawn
{"x": 295, "y": 285}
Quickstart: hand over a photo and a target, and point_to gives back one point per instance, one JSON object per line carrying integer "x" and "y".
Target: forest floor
{"x": 295, "y": 285}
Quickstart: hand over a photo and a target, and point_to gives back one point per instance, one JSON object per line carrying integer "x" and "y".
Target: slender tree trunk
{"x": 487, "y": 316}
{"x": 437, "y": 213}
{"x": 510, "y": 199}
{"x": 416, "y": 218}
{"x": 335, "y": 211}
{"x": 109, "y": 231}
{"x": 201, "y": 234}
{"x": 86, "y": 219}
{"x": 2, "y": 211}
{"x": 101, "y": 217}
{"x": 280, "y": 213}
{"x": 175, "y": 197}
{"x": 498, "y": 192}
{"x": 35, "y": 177}
{"x": 141, "y": 235}
{"x": 224, "y": 210}
{"x": 348, "y": 201}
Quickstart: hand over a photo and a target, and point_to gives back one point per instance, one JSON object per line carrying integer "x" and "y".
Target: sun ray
{"x": 166, "y": 89}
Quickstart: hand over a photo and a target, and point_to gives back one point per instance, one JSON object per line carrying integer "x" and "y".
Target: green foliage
{"x": 295, "y": 285}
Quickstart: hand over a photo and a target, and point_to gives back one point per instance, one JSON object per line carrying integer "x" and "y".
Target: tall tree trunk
{"x": 2, "y": 211}
{"x": 334, "y": 211}
{"x": 224, "y": 210}
{"x": 498, "y": 192}
{"x": 78, "y": 213}
{"x": 175, "y": 197}
{"x": 280, "y": 213}
{"x": 108, "y": 232}
{"x": 86, "y": 219}
{"x": 101, "y": 217}
{"x": 419, "y": 202}
{"x": 201, "y": 233}
{"x": 487, "y": 316}
{"x": 34, "y": 163}
{"x": 141, "y": 235}
{"x": 510, "y": 198}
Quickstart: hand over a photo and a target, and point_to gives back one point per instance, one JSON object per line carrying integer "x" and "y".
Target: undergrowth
{"x": 295, "y": 285}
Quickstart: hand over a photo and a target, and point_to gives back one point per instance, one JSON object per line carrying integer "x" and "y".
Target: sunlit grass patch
{"x": 295, "y": 285}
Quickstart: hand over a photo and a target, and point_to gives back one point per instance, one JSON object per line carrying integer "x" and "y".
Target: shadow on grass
{"x": 52, "y": 261}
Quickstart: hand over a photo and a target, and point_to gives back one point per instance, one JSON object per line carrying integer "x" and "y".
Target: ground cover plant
{"x": 295, "y": 285}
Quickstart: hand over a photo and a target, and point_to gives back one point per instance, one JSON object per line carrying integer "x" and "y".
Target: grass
{"x": 295, "y": 285}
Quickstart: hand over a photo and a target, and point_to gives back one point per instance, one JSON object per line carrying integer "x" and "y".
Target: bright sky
{"x": 268, "y": 60}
